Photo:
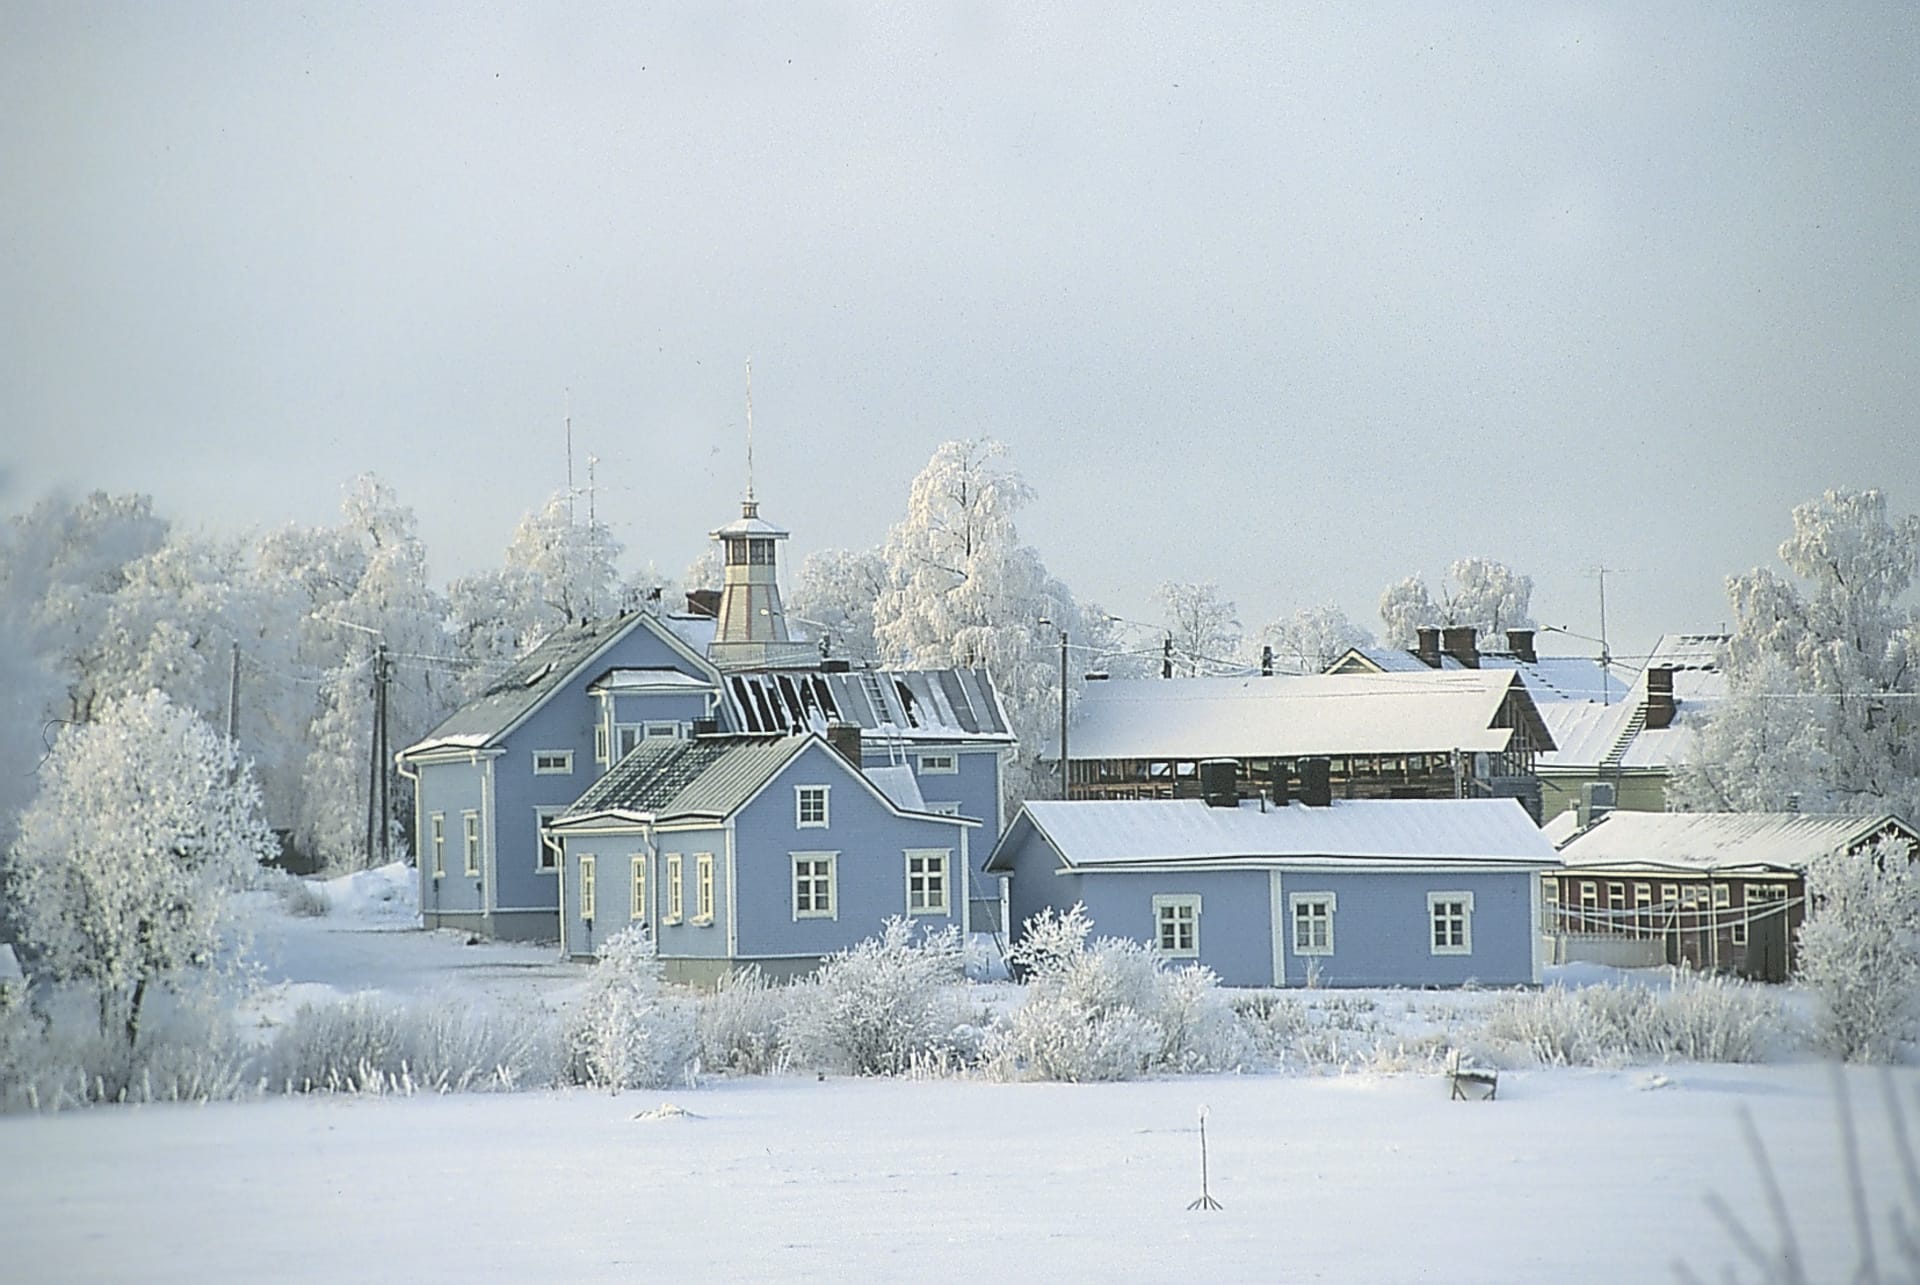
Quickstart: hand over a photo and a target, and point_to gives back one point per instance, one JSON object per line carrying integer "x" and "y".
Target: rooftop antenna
{"x": 567, "y": 411}
{"x": 749, "y": 430}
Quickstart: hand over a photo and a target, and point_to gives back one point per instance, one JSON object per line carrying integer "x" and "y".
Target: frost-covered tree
{"x": 1860, "y": 950}
{"x": 1490, "y": 596}
{"x": 963, "y": 590}
{"x": 1823, "y": 672}
{"x": 883, "y": 1006}
{"x": 1204, "y": 626}
{"x": 624, "y": 1032}
{"x": 837, "y": 592}
{"x": 119, "y": 878}
{"x": 1312, "y": 638}
{"x": 559, "y": 571}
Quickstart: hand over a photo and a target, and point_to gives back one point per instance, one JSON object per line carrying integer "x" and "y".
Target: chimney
{"x": 1316, "y": 785}
{"x": 1660, "y": 702}
{"x": 1428, "y": 648}
{"x": 845, "y": 737}
{"x": 1266, "y": 661}
{"x": 1457, "y": 642}
{"x": 706, "y": 727}
{"x": 1217, "y": 782}
{"x": 704, "y": 602}
{"x": 1278, "y": 775}
{"x": 1520, "y": 643}
{"x": 1596, "y": 801}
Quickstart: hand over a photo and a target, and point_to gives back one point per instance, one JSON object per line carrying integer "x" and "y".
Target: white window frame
{"x": 1325, "y": 902}
{"x": 437, "y": 842}
{"x": 637, "y": 887}
{"x": 558, "y": 763}
{"x": 546, "y": 859}
{"x": 934, "y": 876}
{"x": 831, "y": 875}
{"x": 620, "y": 733}
{"x": 675, "y": 893}
{"x": 1166, "y": 914}
{"x": 801, "y": 794}
{"x": 586, "y": 886}
{"x": 703, "y": 888}
{"x": 470, "y": 840}
{"x": 660, "y": 729}
{"x": 1436, "y": 900}
{"x": 600, "y": 742}
{"x": 941, "y": 764}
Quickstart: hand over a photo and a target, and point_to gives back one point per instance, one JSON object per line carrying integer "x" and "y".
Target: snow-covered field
{"x": 1570, "y": 1175}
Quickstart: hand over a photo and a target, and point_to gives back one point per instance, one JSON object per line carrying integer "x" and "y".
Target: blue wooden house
{"x": 762, "y": 850}
{"x": 491, "y": 776}
{"x": 1362, "y": 892}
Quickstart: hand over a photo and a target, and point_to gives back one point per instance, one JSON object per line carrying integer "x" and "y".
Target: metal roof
{"x": 1118, "y": 833}
{"x": 533, "y": 678}
{"x": 910, "y": 704}
{"x": 647, "y": 680}
{"x": 1287, "y": 715}
{"x": 704, "y": 776}
{"x": 1708, "y": 841}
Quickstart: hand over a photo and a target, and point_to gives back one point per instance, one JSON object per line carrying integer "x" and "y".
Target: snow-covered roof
{"x": 533, "y": 678}
{"x": 648, "y": 680}
{"x": 1118, "y": 833}
{"x": 1707, "y": 841}
{"x": 695, "y": 631}
{"x": 1687, "y": 651}
{"x": 754, "y": 525}
{"x": 1288, "y": 715}
{"x": 1588, "y": 735}
{"x": 1560, "y": 827}
{"x": 1558, "y": 679}
{"x": 900, "y": 786}
{"x": 907, "y": 704}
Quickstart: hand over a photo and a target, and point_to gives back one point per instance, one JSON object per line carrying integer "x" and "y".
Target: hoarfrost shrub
{"x": 887, "y": 1006}
{"x": 739, "y": 1025}
{"x": 1109, "y": 1011}
{"x": 1860, "y": 950}
{"x": 366, "y": 1044}
{"x": 1697, "y": 1019}
{"x": 623, "y": 1033}
{"x": 186, "y": 1051}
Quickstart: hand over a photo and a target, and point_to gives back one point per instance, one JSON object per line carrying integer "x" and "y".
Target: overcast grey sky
{"x": 1300, "y": 298}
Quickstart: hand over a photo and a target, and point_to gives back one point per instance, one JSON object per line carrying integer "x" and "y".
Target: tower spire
{"x": 749, "y": 430}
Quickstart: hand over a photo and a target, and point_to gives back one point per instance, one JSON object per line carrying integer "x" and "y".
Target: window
{"x": 1312, "y": 922}
{"x": 586, "y": 887}
{"x": 638, "y": 897}
{"x": 548, "y": 858}
{"x": 810, "y": 806}
{"x": 672, "y": 915}
{"x": 1450, "y": 915}
{"x": 437, "y": 826}
{"x": 813, "y": 885}
{"x": 703, "y": 888}
{"x": 470, "y": 823}
{"x": 1589, "y": 906}
{"x": 626, "y": 738}
{"x": 927, "y": 882}
{"x": 1616, "y": 906}
{"x": 1643, "y": 909}
{"x": 1669, "y": 902}
{"x": 1177, "y": 925}
{"x": 1722, "y": 896}
{"x": 939, "y": 765}
{"x": 662, "y": 731}
{"x": 600, "y": 742}
{"x": 553, "y": 762}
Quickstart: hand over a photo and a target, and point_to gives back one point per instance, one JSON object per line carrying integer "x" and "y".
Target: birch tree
{"x": 1823, "y": 687}
{"x": 119, "y": 878}
{"x": 558, "y": 571}
{"x": 837, "y": 594}
{"x": 1312, "y": 638}
{"x": 1204, "y": 626}
{"x": 1487, "y": 595}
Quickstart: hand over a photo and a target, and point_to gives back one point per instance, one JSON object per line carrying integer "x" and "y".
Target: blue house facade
{"x": 767, "y": 851}
{"x": 492, "y": 777}
{"x": 1386, "y": 892}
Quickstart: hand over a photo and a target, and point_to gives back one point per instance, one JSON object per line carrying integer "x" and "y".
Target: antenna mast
{"x": 567, "y": 394}
{"x": 749, "y": 430}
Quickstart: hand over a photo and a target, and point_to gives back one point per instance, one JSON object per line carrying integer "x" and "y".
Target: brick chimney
{"x": 1660, "y": 702}
{"x": 1428, "y": 648}
{"x": 1316, "y": 784}
{"x": 845, "y": 737}
{"x": 1458, "y": 642}
{"x": 1520, "y": 643}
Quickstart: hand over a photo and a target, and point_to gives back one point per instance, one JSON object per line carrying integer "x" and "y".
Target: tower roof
{"x": 750, "y": 523}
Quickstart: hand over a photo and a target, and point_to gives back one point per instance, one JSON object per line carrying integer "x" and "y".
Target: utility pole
{"x": 233, "y": 695}
{"x": 379, "y": 797}
{"x": 1065, "y": 792}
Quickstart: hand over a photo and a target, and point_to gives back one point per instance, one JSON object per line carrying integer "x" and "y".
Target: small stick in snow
{"x": 1206, "y": 1200}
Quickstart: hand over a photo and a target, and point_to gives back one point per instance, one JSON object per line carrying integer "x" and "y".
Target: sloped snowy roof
{"x": 900, "y": 785}
{"x": 695, "y": 631}
{"x": 1587, "y": 733}
{"x": 1687, "y": 651}
{"x": 909, "y": 704}
{"x": 1560, "y": 827}
{"x": 533, "y": 678}
{"x": 1719, "y": 840}
{"x": 704, "y": 776}
{"x": 1286, "y": 715}
{"x": 648, "y": 680}
{"x": 1110, "y": 833}
{"x": 1557, "y": 679}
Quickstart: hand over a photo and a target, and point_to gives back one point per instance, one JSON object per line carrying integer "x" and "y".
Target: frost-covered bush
{"x": 367, "y": 1044}
{"x": 890, "y": 1005}
{"x": 1696, "y": 1019}
{"x": 301, "y": 898}
{"x": 739, "y": 1025}
{"x": 1860, "y": 950}
{"x": 52, "y": 1060}
{"x": 1111, "y": 1010}
{"x": 1329, "y": 1031}
{"x": 623, "y": 1032}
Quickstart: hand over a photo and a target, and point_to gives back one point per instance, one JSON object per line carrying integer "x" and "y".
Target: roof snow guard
{"x": 912, "y": 704}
